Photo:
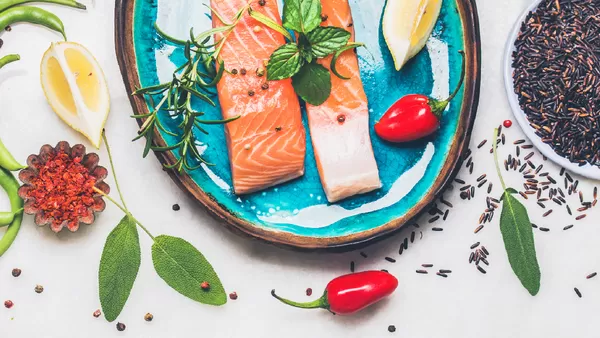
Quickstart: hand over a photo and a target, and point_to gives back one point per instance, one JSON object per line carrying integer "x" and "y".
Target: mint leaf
{"x": 327, "y": 40}
{"x": 184, "y": 268}
{"x": 119, "y": 266}
{"x": 284, "y": 62}
{"x": 302, "y": 15}
{"x": 313, "y": 83}
{"x": 518, "y": 240}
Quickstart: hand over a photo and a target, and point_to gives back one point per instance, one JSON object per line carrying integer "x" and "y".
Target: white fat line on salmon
{"x": 320, "y": 216}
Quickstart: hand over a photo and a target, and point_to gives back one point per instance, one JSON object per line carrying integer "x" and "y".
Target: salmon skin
{"x": 339, "y": 127}
{"x": 267, "y": 144}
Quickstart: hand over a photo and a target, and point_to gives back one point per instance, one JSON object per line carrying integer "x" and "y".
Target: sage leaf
{"x": 184, "y": 268}
{"x": 119, "y": 267}
{"x": 517, "y": 233}
{"x": 284, "y": 63}
{"x": 302, "y": 15}
{"x": 327, "y": 40}
{"x": 313, "y": 83}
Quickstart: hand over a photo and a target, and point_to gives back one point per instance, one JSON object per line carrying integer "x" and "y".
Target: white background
{"x": 467, "y": 304}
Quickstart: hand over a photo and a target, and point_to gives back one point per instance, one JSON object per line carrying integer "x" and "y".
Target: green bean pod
{"x": 6, "y": 4}
{"x": 8, "y": 59}
{"x": 7, "y": 217}
{"x": 32, "y": 15}
{"x": 7, "y": 161}
{"x": 10, "y": 184}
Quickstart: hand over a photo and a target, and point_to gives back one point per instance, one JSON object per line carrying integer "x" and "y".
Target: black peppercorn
{"x": 16, "y": 272}
{"x": 121, "y": 327}
{"x": 324, "y": 17}
{"x": 176, "y": 207}
{"x": 341, "y": 118}
{"x": 234, "y": 71}
{"x": 262, "y": 2}
{"x": 391, "y": 328}
{"x": 264, "y": 86}
{"x": 243, "y": 71}
{"x": 251, "y": 93}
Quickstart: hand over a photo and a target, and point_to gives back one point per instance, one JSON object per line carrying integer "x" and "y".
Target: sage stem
{"x": 112, "y": 168}
{"x": 495, "y": 147}
{"x": 129, "y": 214}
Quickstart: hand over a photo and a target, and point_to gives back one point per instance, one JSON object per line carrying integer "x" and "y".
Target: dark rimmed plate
{"x": 297, "y": 214}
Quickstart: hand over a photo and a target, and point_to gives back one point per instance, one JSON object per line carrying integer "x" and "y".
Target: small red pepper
{"x": 414, "y": 116}
{"x": 351, "y": 293}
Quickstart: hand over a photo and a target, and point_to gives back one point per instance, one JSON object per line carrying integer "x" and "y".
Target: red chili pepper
{"x": 351, "y": 293}
{"x": 414, "y": 116}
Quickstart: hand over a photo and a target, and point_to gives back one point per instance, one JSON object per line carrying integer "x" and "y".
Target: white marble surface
{"x": 467, "y": 304}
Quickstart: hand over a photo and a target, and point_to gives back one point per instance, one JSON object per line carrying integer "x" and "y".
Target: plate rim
{"x": 126, "y": 57}
{"x": 587, "y": 170}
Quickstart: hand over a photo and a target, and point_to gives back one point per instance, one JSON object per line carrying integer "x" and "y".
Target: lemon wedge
{"x": 407, "y": 24}
{"x": 76, "y": 89}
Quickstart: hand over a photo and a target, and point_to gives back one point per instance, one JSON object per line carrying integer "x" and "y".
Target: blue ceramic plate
{"x": 297, "y": 213}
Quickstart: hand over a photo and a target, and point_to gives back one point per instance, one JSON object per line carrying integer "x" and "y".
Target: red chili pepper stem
{"x": 320, "y": 303}
{"x": 437, "y": 106}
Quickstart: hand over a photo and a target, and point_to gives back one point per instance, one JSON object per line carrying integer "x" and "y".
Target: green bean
{"x": 32, "y": 15}
{"x": 10, "y": 184}
{"x": 7, "y": 161}
{"x": 6, "y": 4}
{"x": 7, "y": 217}
{"x": 8, "y": 59}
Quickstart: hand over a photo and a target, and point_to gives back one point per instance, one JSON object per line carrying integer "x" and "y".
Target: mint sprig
{"x": 298, "y": 58}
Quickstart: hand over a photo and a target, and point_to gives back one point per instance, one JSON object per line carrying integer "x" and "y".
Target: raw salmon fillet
{"x": 267, "y": 144}
{"x": 339, "y": 128}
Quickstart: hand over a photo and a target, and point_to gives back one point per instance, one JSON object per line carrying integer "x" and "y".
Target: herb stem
{"x": 141, "y": 226}
{"x": 112, "y": 200}
{"x": 495, "y": 147}
{"x": 112, "y": 168}
{"x": 129, "y": 214}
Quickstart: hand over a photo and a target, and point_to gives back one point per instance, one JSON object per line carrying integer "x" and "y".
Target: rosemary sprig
{"x": 202, "y": 71}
